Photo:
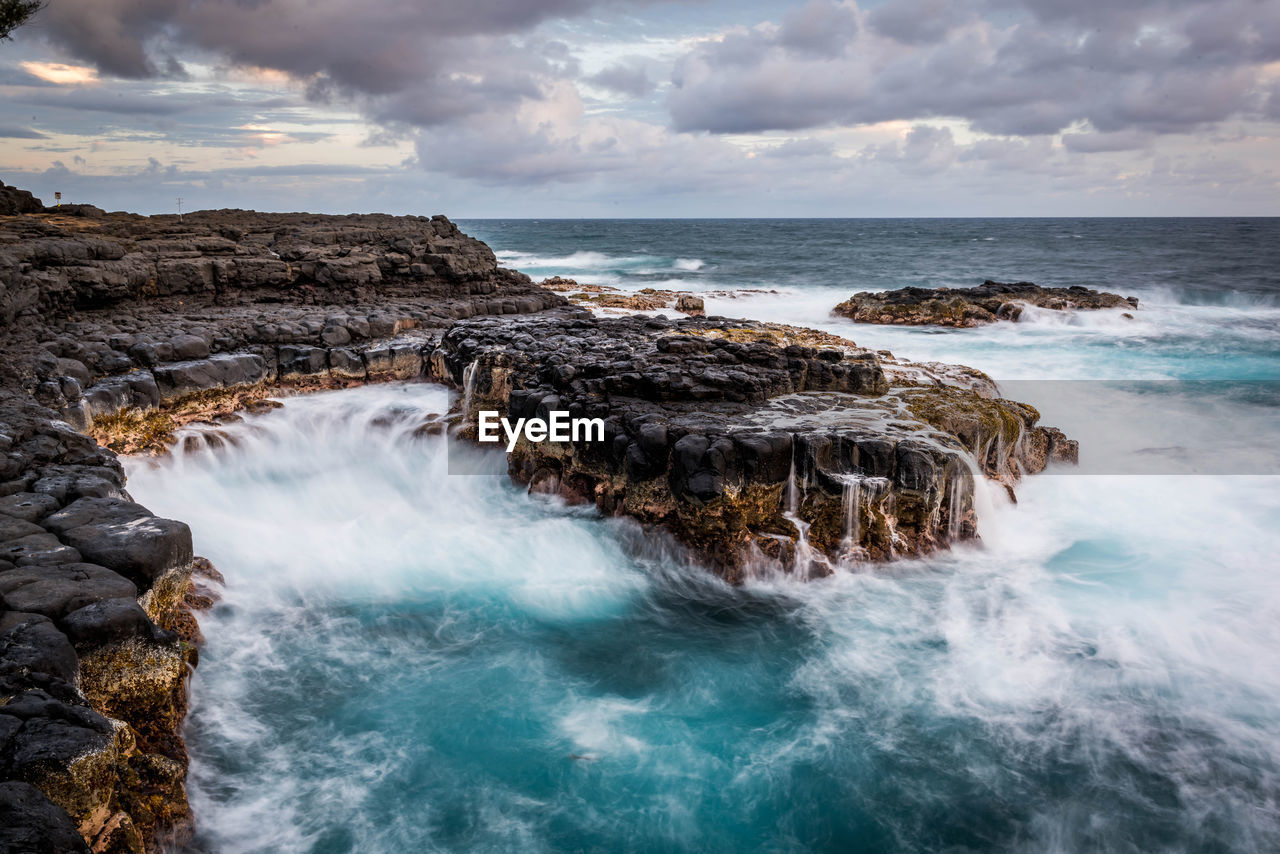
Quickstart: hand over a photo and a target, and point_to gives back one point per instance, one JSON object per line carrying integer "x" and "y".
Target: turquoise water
{"x": 407, "y": 660}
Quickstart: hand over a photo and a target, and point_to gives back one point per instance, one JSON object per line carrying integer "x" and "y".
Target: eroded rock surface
{"x": 964, "y": 307}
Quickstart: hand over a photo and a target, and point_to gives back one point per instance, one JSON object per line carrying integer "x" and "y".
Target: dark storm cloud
{"x": 7, "y": 132}
{"x": 1159, "y": 67}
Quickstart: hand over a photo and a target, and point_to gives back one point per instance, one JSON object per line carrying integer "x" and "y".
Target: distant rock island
{"x": 756, "y": 447}
{"x": 967, "y": 307}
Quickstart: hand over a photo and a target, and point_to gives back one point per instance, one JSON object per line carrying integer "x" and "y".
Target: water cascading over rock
{"x": 744, "y": 439}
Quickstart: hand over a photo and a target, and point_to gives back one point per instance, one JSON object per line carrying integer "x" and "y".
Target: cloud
{"x": 1140, "y": 65}
{"x": 1093, "y": 143}
{"x": 925, "y": 150}
{"x": 802, "y": 148}
{"x": 9, "y": 132}
{"x": 820, "y": 27}
{"x": 830, "y": 102}
{"x": 436, "y": 59}
{"x": 916, "y": 21}
{"x": 630, "y": 80}
{"x": 61, "y": 73}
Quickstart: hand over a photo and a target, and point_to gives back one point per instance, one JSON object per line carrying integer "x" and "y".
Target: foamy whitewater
{"x": 410, "y": 660}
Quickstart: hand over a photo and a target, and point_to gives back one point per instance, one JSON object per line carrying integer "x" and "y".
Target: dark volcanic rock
{"x": 32, "y": 824}
{"x": 748, "y": 442}
{"x": 123, "y": 536}
{"x": 56, "y": 591}
{"x": 222, "y": 371}
{"x": 14, "y": 201}
{"x": 110, "y": 621}
{"x": 30, "y": 644}
{"x": 986, "y": 303}
{"x": 28, "y": 506}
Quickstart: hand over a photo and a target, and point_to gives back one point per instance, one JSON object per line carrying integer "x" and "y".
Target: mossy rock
{"x": 989, "y": 428}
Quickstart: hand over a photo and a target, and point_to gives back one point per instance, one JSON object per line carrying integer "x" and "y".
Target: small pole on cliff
{"x": 179, "y": 208}
{"x": 57, "y": 197}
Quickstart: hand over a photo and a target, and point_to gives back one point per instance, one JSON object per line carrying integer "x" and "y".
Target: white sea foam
{"x": 407, "y": 659}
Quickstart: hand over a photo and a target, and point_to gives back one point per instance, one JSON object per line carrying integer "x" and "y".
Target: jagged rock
{"x": 691, "y": 305}
{"x": 110, "y": 621}
{"x": 75, "y": 210}
{"x": 606, "y": 297}
{"x": 13, "y": 529}
{"x": 189, "y": 347}
{"x": 962, "y": 307}
{"x": 30, "y": 550}
{"x": 119, "y": 834}
{"x": 302, "y": 360}
{"x": 346, "y": 364}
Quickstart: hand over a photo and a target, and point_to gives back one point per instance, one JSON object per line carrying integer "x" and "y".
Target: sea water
{"x": 405, "y": 659}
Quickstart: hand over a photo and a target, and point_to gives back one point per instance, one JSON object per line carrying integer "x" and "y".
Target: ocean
{"x": 407, "y": 660}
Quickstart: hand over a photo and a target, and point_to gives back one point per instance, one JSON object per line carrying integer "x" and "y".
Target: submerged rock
{"x": 964, "y": 307}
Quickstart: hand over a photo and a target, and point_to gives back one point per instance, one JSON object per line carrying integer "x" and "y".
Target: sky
{"x": 642, "y": 108}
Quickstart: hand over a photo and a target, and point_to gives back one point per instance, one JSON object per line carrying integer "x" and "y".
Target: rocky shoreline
{"x": 977, "y": 306}
{"x": 760, "y": 447}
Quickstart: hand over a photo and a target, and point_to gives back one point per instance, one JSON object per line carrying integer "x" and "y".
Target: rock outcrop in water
{"x": 615, "y": 300}
{"x": 756, "y": 445}
{"x": 966, "y": 307}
